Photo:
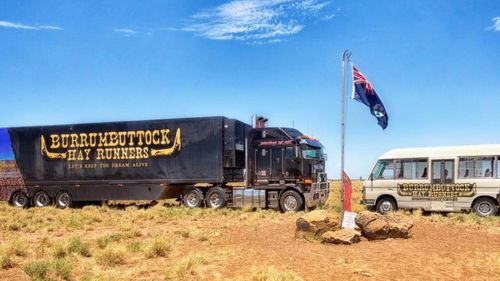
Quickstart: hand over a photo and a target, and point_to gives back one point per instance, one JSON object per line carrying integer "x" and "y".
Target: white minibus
{"x": 446, "y": 179}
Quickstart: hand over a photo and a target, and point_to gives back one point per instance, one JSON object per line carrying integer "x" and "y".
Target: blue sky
{"x": 435, "y": 65}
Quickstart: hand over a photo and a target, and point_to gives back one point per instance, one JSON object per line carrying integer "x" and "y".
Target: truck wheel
{"x": 63, "y": 200}
{"x": 386, "y": 205}
{"x": 485, "y": 207}
{"x": 41, "y": 199}
{"x": 193, "y": 198}
{"x": 20, "y": 200}
{"x": 216, "y": 198}
{"x": 291, "y": 201}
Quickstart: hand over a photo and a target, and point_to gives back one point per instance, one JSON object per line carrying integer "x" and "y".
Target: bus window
{"x": 384, "y": 169}
{"x": 411, "y": 169}
{"x": 481, "y": 167}
{"x": 448, "y": 171}
{"x": 484, "y": 167}
{"x": 498, "y": 167}
{"x": 466, "y": 168}
{"x": 436, "y": 171}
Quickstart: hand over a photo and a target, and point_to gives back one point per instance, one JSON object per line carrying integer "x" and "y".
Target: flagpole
{"x": 346, "y": 57}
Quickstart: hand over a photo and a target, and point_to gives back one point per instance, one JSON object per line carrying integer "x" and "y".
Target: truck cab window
{"x": 263, "y": 162}
{"x": 384, "y": 169}
{"x": 309, "y": 152}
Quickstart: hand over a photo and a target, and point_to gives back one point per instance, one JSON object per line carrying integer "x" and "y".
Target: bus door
{"x": 442, "y": 173}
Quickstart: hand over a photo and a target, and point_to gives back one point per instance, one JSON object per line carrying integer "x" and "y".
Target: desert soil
{"x": 235, "y": 242}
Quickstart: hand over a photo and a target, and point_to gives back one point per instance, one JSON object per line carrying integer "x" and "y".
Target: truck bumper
{"x": 367, "y": 202}
{"x": 318, "y": 195}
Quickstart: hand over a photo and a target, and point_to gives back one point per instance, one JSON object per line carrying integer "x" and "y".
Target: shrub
{"x": 77, "y": 246}
{"x": 62, "y": 267}
{"x": 7, "y": 261}
{"x": 104, "y": 241}
{"x": 37, "y": 270}
{"x": 60, "y": 251}
{"x": 272, "y": 274}
{"x": 134, "y": 247}
{"x": 188, "y": 268}
{"x": 49, "y": 270}
{"x": 18, "y": 248}
{"x": 159, "y": 248}
{"x": 14, "y": 227}
{"x": 111, "y": 257}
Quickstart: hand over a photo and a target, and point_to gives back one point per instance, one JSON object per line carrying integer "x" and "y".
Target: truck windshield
{"x": 309, "y": 152}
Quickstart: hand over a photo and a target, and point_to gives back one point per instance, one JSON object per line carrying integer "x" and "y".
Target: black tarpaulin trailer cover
{"x": 180, "y": 151}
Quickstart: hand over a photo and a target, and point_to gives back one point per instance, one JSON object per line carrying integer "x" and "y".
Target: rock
{"x": 342, "y": 236}
{"x": 313, "y": 224}
{"x": 376, "y": 226}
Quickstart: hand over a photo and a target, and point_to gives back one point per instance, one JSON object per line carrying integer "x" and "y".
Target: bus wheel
{"x": 63, "y": 200}
{"x": 193, "y": 198}
{"x": 20, "y": 200}
{"x": 485, "y": 207}
{"x": 41, "y": 199}
{"x": 216, "y": 198}
{"x": 291, "y": 201}
{"x": 386, "y": 205}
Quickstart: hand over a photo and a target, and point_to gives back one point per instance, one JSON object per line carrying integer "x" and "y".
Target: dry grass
{"x": 191, "y": 267}
{"x": 269, "y": 273}
{"x": 132, "y": 241}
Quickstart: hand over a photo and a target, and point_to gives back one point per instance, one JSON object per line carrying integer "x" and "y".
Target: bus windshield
{"x": 384, "y": 169}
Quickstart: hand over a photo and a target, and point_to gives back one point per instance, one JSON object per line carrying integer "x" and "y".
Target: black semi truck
{"x": 209, "y": 161}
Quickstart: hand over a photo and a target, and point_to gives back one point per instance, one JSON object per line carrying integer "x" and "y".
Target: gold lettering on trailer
{"x": 50, "y": 155}
{"x": 113, "y": 145}
{"x": 169, "y": 151}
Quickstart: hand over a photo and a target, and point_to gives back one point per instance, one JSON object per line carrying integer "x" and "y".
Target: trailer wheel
{"x": 63, "y": 200}
{"x": 41, "y": 199}
{"x": 20, "y": 200}
{"x": 291, "y": 201}
{"x": 485, "y": 207}
{"x": 216, "y": 198}
{"x": 193, "y": 198}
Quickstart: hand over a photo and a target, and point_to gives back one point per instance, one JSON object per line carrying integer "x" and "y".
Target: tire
{"x": 485, "y": 207}
{"x": 41, "y": 199}
{"x": 193, "y": 198}
{"x": 216, "y": 198}
{"x": 20, "y": 200}
{"x": 386, "y": 205}
{"x": 291, "y": 201}
{"x": 63, "y": 200}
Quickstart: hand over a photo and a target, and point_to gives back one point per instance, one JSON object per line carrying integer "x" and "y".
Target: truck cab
{"x": 285, "y": 160}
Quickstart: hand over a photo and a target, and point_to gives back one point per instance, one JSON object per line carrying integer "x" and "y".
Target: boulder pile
{"x": 313, "y": 224}
{"x": 322, "y": 226}
{"x": 375, "y": 226}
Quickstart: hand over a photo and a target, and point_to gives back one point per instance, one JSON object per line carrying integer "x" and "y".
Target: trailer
{"x": 209, "y": 161}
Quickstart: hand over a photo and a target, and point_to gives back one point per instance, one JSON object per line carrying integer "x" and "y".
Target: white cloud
{"x": 8, "y": 24}
{"x": 126, "y": 31}
{"x": 255, "y": 21}
{"x": 50, "y": 27}
{"x": 496, "y": 24}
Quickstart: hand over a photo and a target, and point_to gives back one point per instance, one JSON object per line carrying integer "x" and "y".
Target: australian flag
{"x": 363, "y": 92}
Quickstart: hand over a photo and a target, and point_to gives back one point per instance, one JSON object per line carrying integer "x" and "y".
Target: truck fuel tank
{"x": 251, "y": 197}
